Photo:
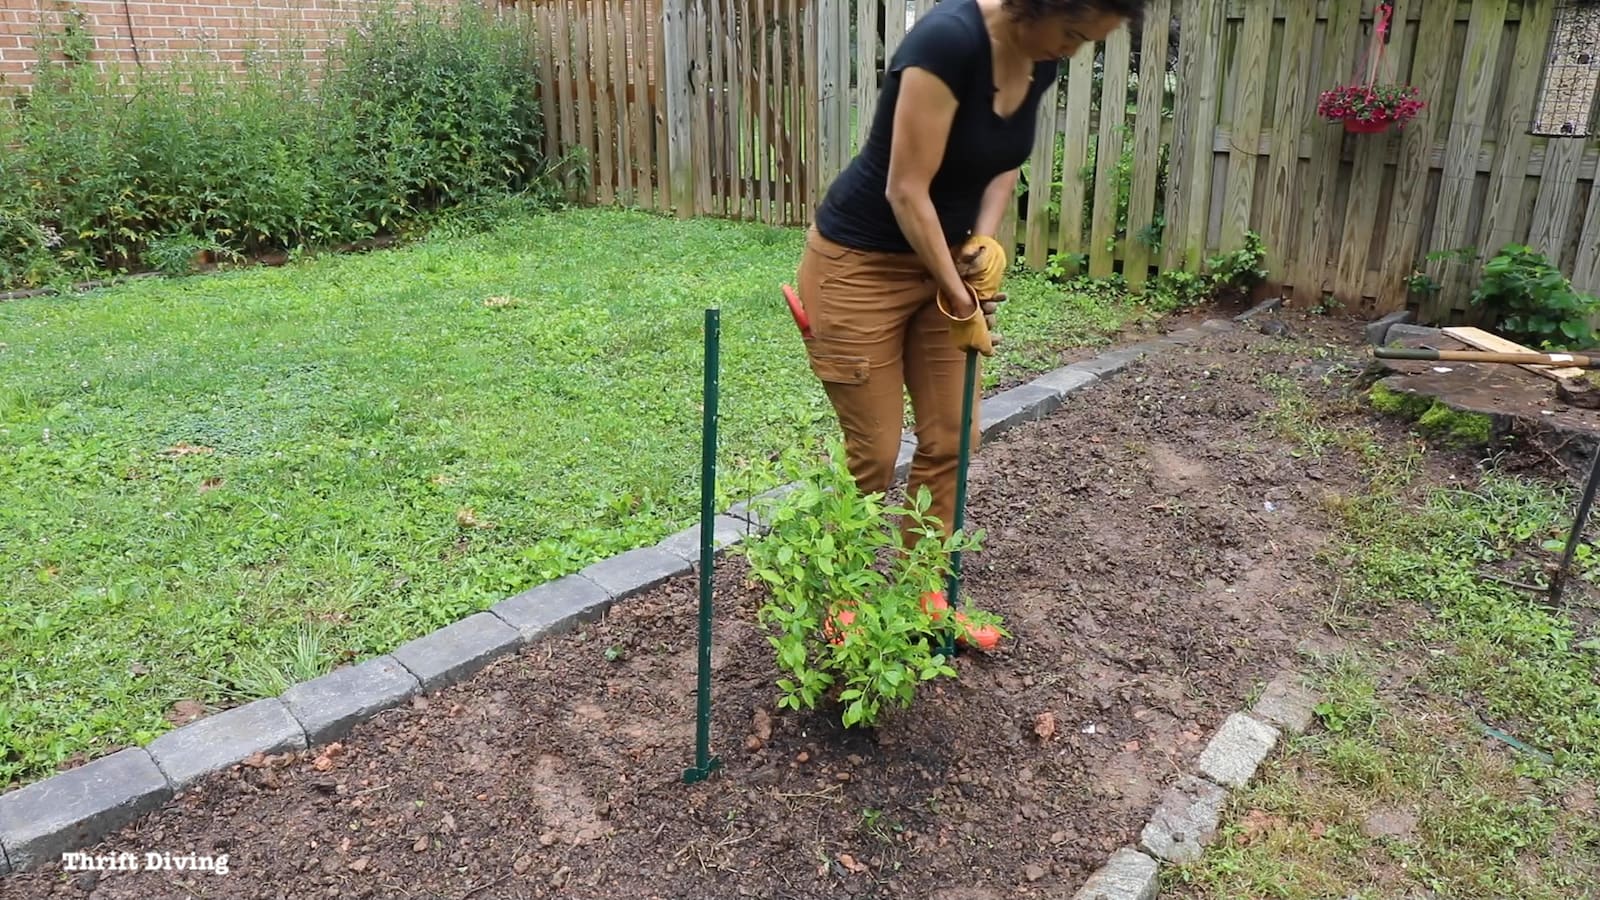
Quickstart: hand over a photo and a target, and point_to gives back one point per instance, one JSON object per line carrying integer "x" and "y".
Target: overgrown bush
{"x": 410, "y": 117}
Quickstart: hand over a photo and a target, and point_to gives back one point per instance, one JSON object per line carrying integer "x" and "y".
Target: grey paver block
{"x": 553, "y": 607}
{"x": 1007, "y": 410}
{"x": 78, "y": 807}
{"x": 1066, "y": 380}
{"x": 1216, "y": 325}
{"x": 1287, "y": 704}
{"x": 456, "y": 651}
{"x": 1378, "y": 330}
{"x": 725, "y": 531}
{"x": 1113, "y": 361}
{"x": 329, "y": 706}
{"x": 1185, "y": 822}
{"x": 635, "y": 571}
{"x": 1402, "y": 331}
{"x": 1236, "y": 750}
{"x": 216, "y": 742}
{"x": 754, "y": 510}
{"x": 1127, "y": 875}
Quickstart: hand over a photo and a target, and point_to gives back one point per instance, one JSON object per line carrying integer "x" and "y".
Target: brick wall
{"x": 130, "y": 33}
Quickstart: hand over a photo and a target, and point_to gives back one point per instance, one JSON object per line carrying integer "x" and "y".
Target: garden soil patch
{"x": 1152, "y": 546}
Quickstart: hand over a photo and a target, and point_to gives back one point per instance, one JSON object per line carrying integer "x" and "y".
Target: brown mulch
{"x": 1152, "y": 546}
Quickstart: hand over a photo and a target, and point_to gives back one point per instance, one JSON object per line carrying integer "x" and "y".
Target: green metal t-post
{"x": 705, "y": 763}
{"x": 968, "y": 389}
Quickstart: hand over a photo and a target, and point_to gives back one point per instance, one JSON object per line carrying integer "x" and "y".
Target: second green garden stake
{"x": 704, "y": 762}
{"x": 968, "y": 389}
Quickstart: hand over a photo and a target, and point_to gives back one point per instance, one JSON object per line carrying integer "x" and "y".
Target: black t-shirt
{"x": 952, "y": 42}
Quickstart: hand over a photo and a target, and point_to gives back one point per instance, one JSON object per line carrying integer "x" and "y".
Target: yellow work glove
{"x": 971, "y": 333}
{"x": 981, "y": 262}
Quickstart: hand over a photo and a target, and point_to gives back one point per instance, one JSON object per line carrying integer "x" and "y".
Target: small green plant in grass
{"x": 1062, "y": 266}
{"x": 1238, "y": 272}
{"x": 842, "y": 626}
{"x": 1228, "y": 276}
{"x": 1533, "y": 302}
{"x": 1177, "y": 290}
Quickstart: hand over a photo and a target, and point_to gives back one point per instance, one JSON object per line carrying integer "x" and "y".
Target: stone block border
{"x": 75, "y": 809}
{"x": 1189, "y": 814}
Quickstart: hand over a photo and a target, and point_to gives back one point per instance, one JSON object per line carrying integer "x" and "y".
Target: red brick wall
{"x": 127, "y": 33}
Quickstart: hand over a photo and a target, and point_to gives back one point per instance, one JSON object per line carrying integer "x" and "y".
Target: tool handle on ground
{"x": 1557, "y": 360}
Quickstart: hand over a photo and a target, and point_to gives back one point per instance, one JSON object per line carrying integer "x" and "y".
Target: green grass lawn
{"x": 1458, "y": 749}
{"x": 213, "y": 487}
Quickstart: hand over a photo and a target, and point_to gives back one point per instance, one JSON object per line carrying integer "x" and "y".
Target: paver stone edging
{"x": 73, "y": 809}
{"x": 78, "y": 808}
{"x": 1188, "y": 817}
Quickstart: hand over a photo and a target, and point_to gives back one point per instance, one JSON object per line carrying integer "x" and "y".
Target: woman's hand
{"x": 982, "y": 262}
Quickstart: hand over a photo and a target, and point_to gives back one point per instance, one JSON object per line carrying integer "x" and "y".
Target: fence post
{"x": 1108, "y": 155}
{"x": 680, "y": 101}
{"x": 1288, "y": 122}
{"x": 1248, "y": 90}
{"x": 1147, "y": 142}
{"x": 1322, "y": 174}
{"x": 830, "y": 93}
{"x": 1409, "y": 204}
{"x": 1514, "y": 144}
{"x": 1474, "y": 92}
{"x": 1194, "y": 136}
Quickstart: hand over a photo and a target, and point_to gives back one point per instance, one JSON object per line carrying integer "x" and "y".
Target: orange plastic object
{"x": 801, "y": 320}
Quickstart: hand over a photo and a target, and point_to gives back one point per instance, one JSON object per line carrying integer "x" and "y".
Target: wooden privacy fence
{"x": 698, "y": 108}
{"x": 1156, "y": 150}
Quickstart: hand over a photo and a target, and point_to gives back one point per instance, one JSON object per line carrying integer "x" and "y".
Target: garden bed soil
{"x": 1153, "y": 546}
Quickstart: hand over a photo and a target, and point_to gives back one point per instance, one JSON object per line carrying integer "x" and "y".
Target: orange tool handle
{"x": 801, "y": 320}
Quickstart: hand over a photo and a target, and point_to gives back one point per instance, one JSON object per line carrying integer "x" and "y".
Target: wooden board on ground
{"x": 1483, "y": 340}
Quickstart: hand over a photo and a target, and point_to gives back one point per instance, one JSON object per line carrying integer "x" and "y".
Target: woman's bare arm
{"x": 1000, "y": 192}
{"x": 922, "y": 118}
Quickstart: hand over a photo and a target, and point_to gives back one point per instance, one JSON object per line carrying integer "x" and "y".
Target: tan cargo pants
{"x": 877, "y": 334}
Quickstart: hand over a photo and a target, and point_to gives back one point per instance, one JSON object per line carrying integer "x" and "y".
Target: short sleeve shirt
{"x": 952, "y": 42}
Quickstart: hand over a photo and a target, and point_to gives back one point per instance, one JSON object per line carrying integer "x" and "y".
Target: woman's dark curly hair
{"x": 1033, "y": 10}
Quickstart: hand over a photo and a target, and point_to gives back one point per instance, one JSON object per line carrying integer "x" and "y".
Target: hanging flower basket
{"x": 1368, "y": 109}
{"x": 1356, "y": 126}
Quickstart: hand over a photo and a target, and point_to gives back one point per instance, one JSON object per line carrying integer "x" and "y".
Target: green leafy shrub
{"x": 841, "y": 625}
{"x": 1533, "y": 303}
{"x": 125, "y": 171}
{"x": 1228, "y": 276}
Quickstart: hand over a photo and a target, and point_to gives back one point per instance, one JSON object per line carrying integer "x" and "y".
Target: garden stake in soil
{"x": 968, "y": 388}
{"x": 704, "y": 762}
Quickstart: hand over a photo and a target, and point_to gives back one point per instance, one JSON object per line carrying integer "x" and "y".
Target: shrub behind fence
{"x": 410, "y": 117}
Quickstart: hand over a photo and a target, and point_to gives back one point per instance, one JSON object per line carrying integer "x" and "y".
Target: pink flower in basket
{"x": 1366, "y": 107}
